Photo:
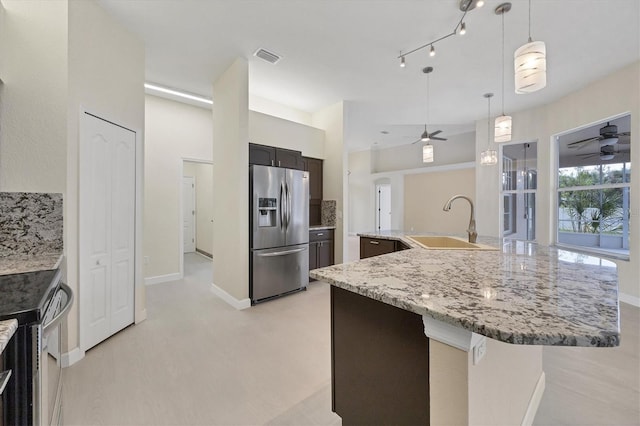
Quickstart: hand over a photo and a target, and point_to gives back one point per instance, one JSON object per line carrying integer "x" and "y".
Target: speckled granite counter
{"x": 20, "y": 263}
{"x": 523, "y": 294}
{"x": 7, "y": 329}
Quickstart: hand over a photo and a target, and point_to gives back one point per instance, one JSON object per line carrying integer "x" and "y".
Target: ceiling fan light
{"x": 502, "y": 131}
{"x": 489, "y": 157}
{"x": 427, "y": 153}
{"x": 608, "y": 141}
{"x": 606, "y": 157}
{"x": 530, "y": 66}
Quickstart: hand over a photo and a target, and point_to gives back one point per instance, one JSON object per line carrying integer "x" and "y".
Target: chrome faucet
{"x": 472, "y": 220}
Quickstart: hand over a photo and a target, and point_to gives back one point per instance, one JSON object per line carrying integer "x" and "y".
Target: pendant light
{"x": 530, "y": 64}
{"x": 489, "y": 157}
{"x": 502, "y": 132}
{"x": 427, "y": 150}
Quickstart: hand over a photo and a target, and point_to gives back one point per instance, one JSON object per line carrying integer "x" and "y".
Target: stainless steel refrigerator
{"x": 279, "y": 237}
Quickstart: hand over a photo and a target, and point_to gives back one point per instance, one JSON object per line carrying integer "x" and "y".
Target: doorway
{"x": 197, "y": 207}
{"x": 519, "y": 185}
{"x": 383, "y": 207}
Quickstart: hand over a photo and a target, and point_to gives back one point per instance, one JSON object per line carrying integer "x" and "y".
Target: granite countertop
{"x": 20, "y": 263}
{"x": 523, "y": 293}
{"x": 320, "y": 227}
{"x": 7, "y": 328}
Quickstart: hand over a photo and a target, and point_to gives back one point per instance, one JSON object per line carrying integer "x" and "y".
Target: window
{"x": 519, "y": 184}
{"x": 594, "y": 191}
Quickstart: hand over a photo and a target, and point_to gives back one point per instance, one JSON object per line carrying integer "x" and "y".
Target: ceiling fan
{"x": 426, "y": 136}
{"x": 608, "y": 136}
{"x": 607, "y": 152}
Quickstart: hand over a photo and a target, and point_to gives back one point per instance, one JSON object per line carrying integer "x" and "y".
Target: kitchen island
{"x": 410, "y": 328}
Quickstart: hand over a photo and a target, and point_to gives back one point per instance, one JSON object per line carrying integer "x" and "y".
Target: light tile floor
{"x": 196, "y": 360}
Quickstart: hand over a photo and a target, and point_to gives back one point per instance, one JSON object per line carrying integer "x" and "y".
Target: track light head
{"x": 432, "y": 51}
{"x": 402, "y": 62}
{"x": 463, "y": 29}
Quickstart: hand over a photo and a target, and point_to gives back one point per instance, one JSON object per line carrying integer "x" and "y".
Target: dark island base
{"x": 379, "y": 362}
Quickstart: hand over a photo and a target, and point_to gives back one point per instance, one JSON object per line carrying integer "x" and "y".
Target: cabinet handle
{"x": 321, "y": 242}
{"x": 374, "y": 242}
{"x": 278, "y": 163}
{"x": 320, "y": 234}
{"x": 273, "y": 162}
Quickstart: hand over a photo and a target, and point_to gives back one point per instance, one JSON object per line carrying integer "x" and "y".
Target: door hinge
{"x": 193, "y": 241}
{"x": 193, "y": 186}
{"x": 193, "y": 212}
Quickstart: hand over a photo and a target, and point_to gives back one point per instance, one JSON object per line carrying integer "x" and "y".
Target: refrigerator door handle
{"x": 288, "y": 205}
{"x": 282, "y": 212}
{"x": 281, "y": 253}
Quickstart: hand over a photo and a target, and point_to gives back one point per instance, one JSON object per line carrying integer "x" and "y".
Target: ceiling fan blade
{"x": 581, "y": 144}
{"x": 416, "y": 141}
{"x": 593, "y": 154}
{"x": 438, "y": 139}
{"x": 435, "y": 133}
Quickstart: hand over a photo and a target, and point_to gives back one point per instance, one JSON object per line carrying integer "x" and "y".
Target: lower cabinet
{"x": 370, "y": 247}
{"x": 321, "y": 248}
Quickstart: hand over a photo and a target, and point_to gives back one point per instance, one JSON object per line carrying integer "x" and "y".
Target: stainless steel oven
{"x": 48, "y": 371}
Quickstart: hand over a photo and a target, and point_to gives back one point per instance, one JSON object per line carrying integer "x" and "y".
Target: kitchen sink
{"x": 447, "y": 243}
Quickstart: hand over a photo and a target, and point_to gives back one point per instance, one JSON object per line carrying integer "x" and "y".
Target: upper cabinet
{"x": 314, "y": 167}
{"x": 276, "y": 157}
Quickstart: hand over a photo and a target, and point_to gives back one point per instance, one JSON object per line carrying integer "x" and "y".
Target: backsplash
{"x": 30, "y": 223}
{"x": 328, "y": 212}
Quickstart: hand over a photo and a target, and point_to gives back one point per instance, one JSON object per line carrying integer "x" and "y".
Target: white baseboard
{"x": 632, "y": 300}
{"x": 71, "y": 357}
{"x": 141, "y": 316}
{"x": 534, "y": 402}
{"x": 159, "y": 279}
{"x": 222, "y": 294}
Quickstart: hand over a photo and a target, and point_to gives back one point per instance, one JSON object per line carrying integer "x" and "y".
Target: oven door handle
{"x": 51, "y": 325}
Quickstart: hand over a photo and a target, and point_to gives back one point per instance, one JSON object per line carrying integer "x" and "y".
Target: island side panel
{"x": 380, "y": 362}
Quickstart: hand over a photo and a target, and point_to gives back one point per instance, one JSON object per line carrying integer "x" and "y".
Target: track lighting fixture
{"x": 489, "y": 157}
{"x": 530, "y": 64}
{"x": 502, "y": 132}
{"x": 460, "y": 28}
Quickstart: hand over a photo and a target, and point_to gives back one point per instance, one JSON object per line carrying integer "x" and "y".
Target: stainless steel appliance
{"x": 40, "y": 302}
{"x": 279, "y": 237}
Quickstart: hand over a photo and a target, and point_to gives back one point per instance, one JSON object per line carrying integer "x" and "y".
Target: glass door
{"x": 519, "y": 185}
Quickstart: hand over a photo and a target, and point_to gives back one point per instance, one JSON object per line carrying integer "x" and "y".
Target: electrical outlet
{"x": 479, "y": 351}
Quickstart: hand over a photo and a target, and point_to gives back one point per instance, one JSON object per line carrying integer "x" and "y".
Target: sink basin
{"x": 447, "y": 243}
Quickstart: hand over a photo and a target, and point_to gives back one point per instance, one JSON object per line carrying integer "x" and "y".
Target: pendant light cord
{"x": 489, "y": 123}
{"x": 530, "y": 40}
{"x": 425, "y": 129}
{"x": 502, "y": 63}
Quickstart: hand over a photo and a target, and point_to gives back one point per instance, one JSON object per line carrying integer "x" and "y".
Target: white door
{"x": 383, "y": 207}
{"x": 189, "y": 213}
{"x": 107, "y": 229}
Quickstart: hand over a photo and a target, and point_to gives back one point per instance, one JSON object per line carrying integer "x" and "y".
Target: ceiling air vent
{"x": 265, "y": 55}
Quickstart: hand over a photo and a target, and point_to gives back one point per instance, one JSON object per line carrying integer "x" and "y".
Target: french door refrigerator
{"x": 279, "y": 236}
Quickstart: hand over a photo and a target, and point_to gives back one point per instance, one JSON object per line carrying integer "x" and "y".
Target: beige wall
{"x": 231, "y": 181}
{"x": 616, "y": 94}
{"x": 426, "y": 193}
{"x": 173, "y": 131}
{"x": 496, "y": 391}
{"x": 203, "y": 174}
{"x": 33, "y": 98}
{"x": 457, "y": 149}
{"x": 361, "y": 193}
{"x": 274, "y": 109}
{"x": 273, "y": 131}
{"x": 331, "y": 120}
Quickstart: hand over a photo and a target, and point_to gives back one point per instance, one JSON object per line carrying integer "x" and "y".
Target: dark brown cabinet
{"x": 379, "y": 362}
{"x": 370, "y": 247}
{"x": 314, "y": 167}
{"x": 321, "y": 248}
{"x": 276, "y": 157}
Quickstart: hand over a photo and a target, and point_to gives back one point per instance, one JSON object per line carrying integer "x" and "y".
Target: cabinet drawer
{"x": 320, "y": 235}
{"x": 370, "y": 247}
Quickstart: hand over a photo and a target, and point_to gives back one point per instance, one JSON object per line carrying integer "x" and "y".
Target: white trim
{"x": 71, "y": 357}
{"x": 431, "y": 169}
{"x": 534, "y": 402}
{"x": 631, "y": 300}
{"x": 141, "y": 316}
{"x": 222, "y": 294}
{"x": 451, "y": 335}
{"x": 159, "y": 279}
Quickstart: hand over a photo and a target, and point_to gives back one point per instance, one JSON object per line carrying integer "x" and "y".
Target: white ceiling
{"x": 337, "y": 50}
